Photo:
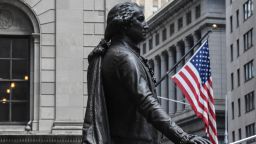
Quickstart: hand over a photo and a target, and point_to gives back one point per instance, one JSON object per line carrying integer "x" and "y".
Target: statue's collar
{"x": 128, "y": 44}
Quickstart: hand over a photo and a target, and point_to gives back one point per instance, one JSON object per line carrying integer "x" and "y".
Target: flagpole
{"x": 226, "y": 120}
{"x": 173, "y": 68}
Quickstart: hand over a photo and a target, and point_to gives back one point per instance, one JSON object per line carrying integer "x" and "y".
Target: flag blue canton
{"x": 201, "y": 62}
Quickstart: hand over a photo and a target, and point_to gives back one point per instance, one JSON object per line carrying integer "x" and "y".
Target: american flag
{"x": 195, "y": 81}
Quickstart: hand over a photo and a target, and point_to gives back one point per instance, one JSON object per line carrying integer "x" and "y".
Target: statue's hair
{"x": 119, "y": 17}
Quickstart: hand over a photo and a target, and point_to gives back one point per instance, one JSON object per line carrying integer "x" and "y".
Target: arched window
{"x": 16, "y": 64}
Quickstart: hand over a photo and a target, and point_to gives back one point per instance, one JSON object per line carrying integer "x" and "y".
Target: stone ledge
{"x": 41, "y": 139}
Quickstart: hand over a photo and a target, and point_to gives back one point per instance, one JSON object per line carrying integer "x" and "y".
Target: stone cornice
{"x": 166, "y": 12}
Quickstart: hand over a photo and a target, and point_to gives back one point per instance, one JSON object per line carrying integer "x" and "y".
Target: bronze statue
{"x": 123, "y": 107}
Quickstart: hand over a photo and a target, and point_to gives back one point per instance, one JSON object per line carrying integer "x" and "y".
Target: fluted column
{"x": 164, "y": 89}
{"x": 187, "y": 48}
{"x": 179, "y": 95}
{"x": 171, "y": 86}
{"x": 157, "y": 74}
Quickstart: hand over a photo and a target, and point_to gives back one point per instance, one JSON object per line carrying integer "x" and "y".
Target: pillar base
{"x": 63, "y": 127}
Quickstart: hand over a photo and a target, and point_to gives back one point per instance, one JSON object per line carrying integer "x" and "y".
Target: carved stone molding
{"x": 6, "y": 19}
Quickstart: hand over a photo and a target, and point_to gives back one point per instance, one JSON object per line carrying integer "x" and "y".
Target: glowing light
{"x": 8, "y": 91}
{"x": 25, "y": 77}
{"x": 4, "y": 100}
{"x": 214, "y": 26}
{"x": 13, "y": 85}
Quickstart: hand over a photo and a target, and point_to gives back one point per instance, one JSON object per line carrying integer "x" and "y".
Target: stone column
{"x": 36, "y": 83}
{"x": 179, "y": 95}
{"x": 164, "y": 89}
{"x": 157, "y": 73}
{"x": 187, "y": 48}
{"x": 171, "y": 86}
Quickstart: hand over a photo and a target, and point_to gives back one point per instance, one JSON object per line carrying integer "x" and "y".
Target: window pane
{"x": 20, "y": 48}
{"x": 21, "y": 91}
{"x": 5, "y": 45}
{"x": 20, "y": 112}
{"x": 4, "y": 112}
{"x": 4, "y": 69}
{"x": 19, "y": 69}
{"x": 4, "y": 89}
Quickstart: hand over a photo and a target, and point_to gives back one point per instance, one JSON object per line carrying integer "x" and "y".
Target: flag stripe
{"x": 199, "y": 112}
{"x": 195, "y": 81}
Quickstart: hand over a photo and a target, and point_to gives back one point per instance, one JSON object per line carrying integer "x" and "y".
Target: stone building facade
{"x": 172, "y": 31}
{"x": 151, "y": 6}
{"x": 44, "y": 46}
{"x": 241, "y": 71}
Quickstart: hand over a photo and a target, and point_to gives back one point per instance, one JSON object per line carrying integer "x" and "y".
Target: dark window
{"x": 233, "y": 136}
{"x": 231, "y": 52}
{"x": 198, "y": 11}
{"x": 248, "y": 9}
{"x": 250, "y": 131}
{"x": 237, "y": 18}
{"x": 144, "y": 48}
{"x": 157, "y": 39}
{"x": 238, "y": 77}
{"x": 14, "y": 79}
{"x": 239, "y": 107}
{"x": 164, "y": 34}
{"x": 231, "y": 23}
{"x": 249, "y": 101}
{"x": 248, "y": 40}
{"x": 188, "y": 17}
{"x": 232, "y": 108}
{"x": 239, "y": 134}
{"x": 231, "y": 1}
{"x": 150, "y": 44}
{"x": 180, "y": 23}
{"x": 237, "y": 48}
{"x": 248, "y": 71}
{"x": 171, "y": 29}
{"x": 232, "y": 81}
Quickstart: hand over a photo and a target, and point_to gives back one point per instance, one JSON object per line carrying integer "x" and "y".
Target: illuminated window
{"x": 14, "y": 79}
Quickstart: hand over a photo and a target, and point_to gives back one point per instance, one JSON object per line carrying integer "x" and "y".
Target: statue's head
{"x": 126, "y": 18}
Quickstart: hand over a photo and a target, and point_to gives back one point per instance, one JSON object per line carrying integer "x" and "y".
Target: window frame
{"x": 248, "y": 71}
{"x": 249, "y": 102}
{"x": 197, "y": 11}
{"x": 188, "y": 17}
{"x": 29, "y": 74}
{"x": 180, "y": 23}
{"x": 157, "y": 39}
{"x": 248, "y": 40}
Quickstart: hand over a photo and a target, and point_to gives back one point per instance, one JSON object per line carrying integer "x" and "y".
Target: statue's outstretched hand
{"x": 194, "y": 139}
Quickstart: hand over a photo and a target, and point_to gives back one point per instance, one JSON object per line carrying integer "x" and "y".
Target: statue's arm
{"x": 132, "y": 74}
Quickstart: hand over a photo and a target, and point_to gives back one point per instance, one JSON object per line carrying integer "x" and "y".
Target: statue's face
{"x": 138, "y": 29}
